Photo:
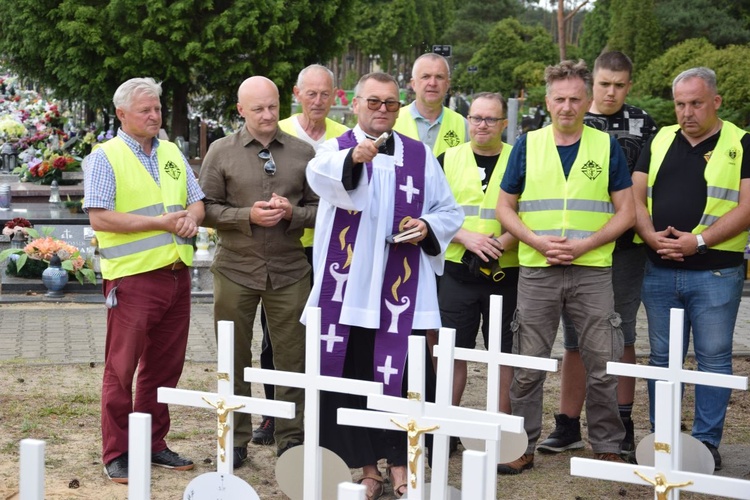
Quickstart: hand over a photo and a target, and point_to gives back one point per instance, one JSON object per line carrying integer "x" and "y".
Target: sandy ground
{"x": 60, "y": 405}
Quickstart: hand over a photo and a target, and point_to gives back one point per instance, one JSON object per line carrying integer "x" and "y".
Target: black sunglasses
{"x": 269, "y": 167}
{"x": 374, "y": 104}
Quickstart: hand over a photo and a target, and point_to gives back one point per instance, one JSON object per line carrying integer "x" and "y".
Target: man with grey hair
{"x": 426, "y": 119}
{"x": 566, "y": 195}
{"x": 145, "y": 206}
{"x": 258, "y": 199}
{"x": 315, "y": 93}
{"x": 692, "y": 190}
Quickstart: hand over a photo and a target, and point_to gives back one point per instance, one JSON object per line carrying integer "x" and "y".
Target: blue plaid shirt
{"x": 99, "y": 178}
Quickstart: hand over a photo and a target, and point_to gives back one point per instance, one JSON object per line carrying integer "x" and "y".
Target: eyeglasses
{"x": 374, "y": 104}
{"x": 270, "y": 166}
{"x": 477, "y": 120}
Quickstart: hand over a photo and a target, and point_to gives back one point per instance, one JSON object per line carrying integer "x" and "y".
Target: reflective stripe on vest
{"x": 576, "y": 207}
{"x": 722, "y": 174}
{"x": 452, "y": 129}
{"x": 125, "y": 254}
{"x": 333, "y": 130}
{"x": 479, "y": 207}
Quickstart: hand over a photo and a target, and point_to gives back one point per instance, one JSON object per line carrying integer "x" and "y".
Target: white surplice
{"x": 376, "y": 200}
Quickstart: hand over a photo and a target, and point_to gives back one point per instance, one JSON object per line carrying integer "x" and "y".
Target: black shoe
{"x": 714, "y": 453}
{"x": 289, "y": 445}
{"x": 264, "y": 433}
{"x": 566, "y": 436}
{"x": 453, "y": 447}
{"x": 239, "y": 455}
{"x": 627, "y": 447}
{"x": 117, "y": 469}
{"x": 170, "y": 460}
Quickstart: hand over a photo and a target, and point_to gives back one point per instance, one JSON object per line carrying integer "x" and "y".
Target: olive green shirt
{"x": 233, "y": 179}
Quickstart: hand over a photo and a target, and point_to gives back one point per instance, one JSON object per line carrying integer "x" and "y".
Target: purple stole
{"x": 399, "y": 290}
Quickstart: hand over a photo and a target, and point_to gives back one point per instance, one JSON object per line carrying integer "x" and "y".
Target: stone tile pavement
{"x": 74, "y": 332}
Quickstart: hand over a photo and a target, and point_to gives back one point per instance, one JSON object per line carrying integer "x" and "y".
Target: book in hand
{"x": 405, "y": 235}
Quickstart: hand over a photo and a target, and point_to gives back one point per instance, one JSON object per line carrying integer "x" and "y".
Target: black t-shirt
{"x": 632, "y": 127}
{"x": 679, "y": 197}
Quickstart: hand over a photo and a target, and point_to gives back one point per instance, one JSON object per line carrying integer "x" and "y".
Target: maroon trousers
{"x": 147, "y": 330}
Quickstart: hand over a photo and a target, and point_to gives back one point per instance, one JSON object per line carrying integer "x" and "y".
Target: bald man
{"x": 258, "y": 199}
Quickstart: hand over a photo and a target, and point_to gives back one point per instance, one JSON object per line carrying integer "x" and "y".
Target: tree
{"x": 562, "y": 21}
{"x": 729, "y": 63}
{"x": 595, "y": 31}
{"x": 722, "y": 22}
{"x": 83, "y": 49}
{"x": 511, "y": 45}
{"x": 473, "y": 22}
{"x": 635, "y": 31}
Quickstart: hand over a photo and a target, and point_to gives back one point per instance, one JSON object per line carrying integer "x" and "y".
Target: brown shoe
{"x": 517, "y": 466}
{"x": 609, "y": 457}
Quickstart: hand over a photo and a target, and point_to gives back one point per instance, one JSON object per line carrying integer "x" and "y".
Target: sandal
{"x": 399, "y": 489}
{"x": 375, "y": 492}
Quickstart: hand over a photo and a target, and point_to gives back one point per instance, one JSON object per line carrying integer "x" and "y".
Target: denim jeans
{"x": 710, "y": 300}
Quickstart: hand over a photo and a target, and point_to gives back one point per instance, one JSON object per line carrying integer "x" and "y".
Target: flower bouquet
{"x": 34, "y": 258}
{"x": 47, "y": 168}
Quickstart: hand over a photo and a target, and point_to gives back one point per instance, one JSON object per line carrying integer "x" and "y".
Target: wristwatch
{"x": 702, "y": 247}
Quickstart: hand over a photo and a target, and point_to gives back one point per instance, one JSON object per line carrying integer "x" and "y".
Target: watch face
{"x": 702, "y": 249}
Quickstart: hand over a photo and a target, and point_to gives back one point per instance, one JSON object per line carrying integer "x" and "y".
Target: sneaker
{"x": 609, "y": 457}
{"x": 627, "y": 447}
{"x": 566, "y": 436}
{"x": 170, "y": 460}
{"x": 517, "y": 466}
{"x": 117, "y": 469}
{"x": 239, "y": 455}
{"x": 264, "y": 433}
{"x": 714, "y": 453}
{"x": 288, "y": 446}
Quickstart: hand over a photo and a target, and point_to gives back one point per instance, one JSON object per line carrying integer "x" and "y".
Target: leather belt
{"x": 174, "y": 266}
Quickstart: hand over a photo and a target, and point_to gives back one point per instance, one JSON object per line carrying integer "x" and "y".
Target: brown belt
{"x": 174, "y": 266}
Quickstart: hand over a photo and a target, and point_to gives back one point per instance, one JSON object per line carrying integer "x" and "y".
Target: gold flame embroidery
{"x": 394, "y": 288}
{"x": 342, "y": 236}
{"x": 349, "y": 254}
{"x": 407, "y": 270}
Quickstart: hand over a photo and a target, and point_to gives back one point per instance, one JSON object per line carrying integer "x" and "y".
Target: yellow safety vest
{"x": 575, "y": 208}
{"x": 479, "y": 206}
{"x": 136, "y": 192}
{"x": 451, "y": 134}
{"x": 722, "y": 174}
{"x": 333, "y": 129}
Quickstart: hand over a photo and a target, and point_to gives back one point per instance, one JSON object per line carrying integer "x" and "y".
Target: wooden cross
{"x": 312, "y": 382}
{"x": 224, "y": 402}
{"x": 139, "y": 456}
{"x": 450, "y": 420}
{"x": 32, "y": 470}
{"x": 667, "y": 442}
{"x": 494, "y": 359}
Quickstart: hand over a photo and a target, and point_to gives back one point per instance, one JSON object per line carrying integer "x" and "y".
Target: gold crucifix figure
{"x": 222, "y": 427}
{"x": 413, "y": 432}
{"x": 660, "y": 484}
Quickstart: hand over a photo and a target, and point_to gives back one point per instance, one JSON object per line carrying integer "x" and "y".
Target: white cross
{"x": 32, "y": 470}
{"x": 451, "y": 420}
{"x": 139, "y": 456}
{"x": 331, "y": 338}
{"x": 667, "y": 444}
{"x": 409, "y": 188}
{"x": 312, "y": 382}
{"x": 494, "y": 359}
{"x": 387, "y": 370}
{"x": 225, "y": 393}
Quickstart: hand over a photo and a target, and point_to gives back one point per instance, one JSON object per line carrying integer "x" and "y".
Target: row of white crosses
{"x": 668, "y": 476}
{"x": 494, "y": 358}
